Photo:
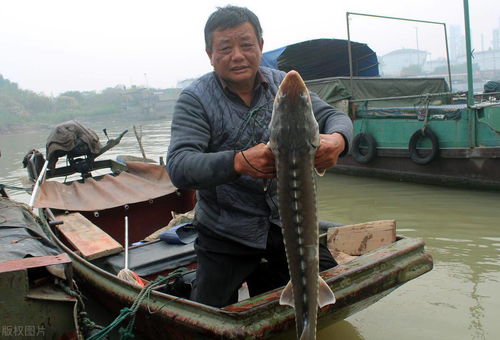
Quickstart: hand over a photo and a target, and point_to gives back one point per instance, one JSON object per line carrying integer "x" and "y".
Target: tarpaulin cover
{"x": 492, "y": 86}
{"x": 69, "y": 136}
{"x": 440, "y": 112}
{"x": 141, "y": 182}
{"x": 20, "y": 234}
{"x": 154, "y": 257}
{"x": 322, "y": 58}
{"x": 332, "y": 90}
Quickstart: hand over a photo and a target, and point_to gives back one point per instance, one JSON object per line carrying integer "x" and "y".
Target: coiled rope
{"x": 126, "y": 333}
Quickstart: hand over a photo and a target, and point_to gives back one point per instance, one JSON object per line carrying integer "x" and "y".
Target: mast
{"x": 468, "y": 47}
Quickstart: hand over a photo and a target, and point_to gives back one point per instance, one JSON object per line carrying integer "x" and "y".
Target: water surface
{"x": 458, "y": 299}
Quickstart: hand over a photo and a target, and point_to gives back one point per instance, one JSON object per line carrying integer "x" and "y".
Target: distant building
{"x": 397, "y": 62}
{"x": 165, "y": 99}
{"x": 432, "y": 65}
{"x": 456, "y": 43}
{"x": 495, "y": 42}
{"x": 488, "y": 61}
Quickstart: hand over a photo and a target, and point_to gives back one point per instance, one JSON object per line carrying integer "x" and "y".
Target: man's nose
{"x": 237, "y": 53}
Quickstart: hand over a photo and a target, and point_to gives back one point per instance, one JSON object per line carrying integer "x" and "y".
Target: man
{"x": 218, "y": 146}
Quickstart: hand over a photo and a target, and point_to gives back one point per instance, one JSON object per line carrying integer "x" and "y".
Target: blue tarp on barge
{"x": 323, "y": 58}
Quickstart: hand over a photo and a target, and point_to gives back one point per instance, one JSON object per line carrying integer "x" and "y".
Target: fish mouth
{"x": 293, "y": 85}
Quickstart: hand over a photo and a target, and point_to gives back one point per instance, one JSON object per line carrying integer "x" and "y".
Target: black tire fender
{"x": 371, "y": 148}
{"x": 415, "y": 156}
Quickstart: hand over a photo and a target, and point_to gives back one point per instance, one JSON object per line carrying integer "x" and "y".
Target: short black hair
{"x": 229, "y": 17}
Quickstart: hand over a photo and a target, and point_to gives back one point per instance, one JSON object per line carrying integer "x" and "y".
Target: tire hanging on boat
{"x": 417, "y": 156}
{"x": 364, "y": 148}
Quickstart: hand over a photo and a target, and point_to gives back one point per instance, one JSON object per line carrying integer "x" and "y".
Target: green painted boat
{"x": 419, "y": 135}
{"x": 105, "y": 200}
{"x": 425, "y": 136}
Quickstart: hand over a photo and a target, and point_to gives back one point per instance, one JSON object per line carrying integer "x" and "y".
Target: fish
{"x": 294, "y": 139}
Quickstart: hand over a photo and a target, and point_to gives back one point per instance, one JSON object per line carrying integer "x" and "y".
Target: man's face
{"x": 236, "y": 54}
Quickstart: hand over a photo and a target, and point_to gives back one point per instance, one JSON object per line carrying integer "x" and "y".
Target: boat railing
{"x": 423, "y": 95}
{"x": 484, "y": 98}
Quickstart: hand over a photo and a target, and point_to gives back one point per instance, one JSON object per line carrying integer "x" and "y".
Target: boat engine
{"x": 33, "y": 161}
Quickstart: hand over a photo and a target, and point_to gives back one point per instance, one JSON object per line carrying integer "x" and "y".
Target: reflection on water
{"x": 458, "y": 299}
{"x": 342, "y": 330}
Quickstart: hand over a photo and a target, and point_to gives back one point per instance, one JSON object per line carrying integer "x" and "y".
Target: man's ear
{"x": 261, "y": 44}
{"x": 209, "y": 53}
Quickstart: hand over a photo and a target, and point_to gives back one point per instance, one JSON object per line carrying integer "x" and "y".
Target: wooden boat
{"x": 144, "y": 194}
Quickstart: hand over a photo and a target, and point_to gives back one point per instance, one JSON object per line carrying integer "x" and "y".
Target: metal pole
{"x": 468, "y": 46}
{"x": 41, "y": 176}
{"x": 412, "y": 20}
{"x": 350, "y": 54}
{"x": 126, "y": 243}
{"x": 447, "y": 56}
{"x": 395, "y": 18}
{"x": 470, "y": 81}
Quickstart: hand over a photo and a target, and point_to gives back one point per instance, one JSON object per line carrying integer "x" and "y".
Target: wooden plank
{"x": 359, "y": 239}
{"x": 33, "y": 262}
{"x": 91, "y": 241}
{"x": 342, "y": 258}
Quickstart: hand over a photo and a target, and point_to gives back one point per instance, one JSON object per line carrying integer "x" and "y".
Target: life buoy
{"x": 364, "y": 148}
{"x": 415, "y": 155}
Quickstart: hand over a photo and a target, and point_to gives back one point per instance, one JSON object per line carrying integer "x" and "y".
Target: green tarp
{"x": 334, "y": 89}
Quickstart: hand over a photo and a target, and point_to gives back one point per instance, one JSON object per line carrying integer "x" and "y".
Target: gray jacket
{"x": 208, "y": 128}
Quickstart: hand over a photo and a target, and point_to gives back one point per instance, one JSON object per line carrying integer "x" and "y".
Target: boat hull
{"x": 395, "y": 164}
{"x": 356, "y": 284}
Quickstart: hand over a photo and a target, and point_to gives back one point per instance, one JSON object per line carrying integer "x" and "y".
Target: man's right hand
{"x": 258, "y": 162}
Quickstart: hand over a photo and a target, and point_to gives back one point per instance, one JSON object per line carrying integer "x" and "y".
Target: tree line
{"x": 20, "y": 106}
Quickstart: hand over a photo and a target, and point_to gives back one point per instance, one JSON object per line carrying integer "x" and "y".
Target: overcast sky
{"x": 56, "y": 46}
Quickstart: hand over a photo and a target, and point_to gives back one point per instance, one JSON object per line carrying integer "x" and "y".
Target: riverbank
{"x": 17, "y": 128}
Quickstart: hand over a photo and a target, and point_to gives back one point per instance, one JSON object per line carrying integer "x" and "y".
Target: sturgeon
{"x": 293, "y": 140}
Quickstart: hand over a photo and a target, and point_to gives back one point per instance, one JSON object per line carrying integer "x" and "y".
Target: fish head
{"x": 293, "y": 113}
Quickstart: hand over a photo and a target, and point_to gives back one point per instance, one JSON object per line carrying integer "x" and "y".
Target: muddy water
{"x": 458, "y": 299}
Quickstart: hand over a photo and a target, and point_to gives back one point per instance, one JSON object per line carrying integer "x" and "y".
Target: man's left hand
{"x": 330, "y": 147}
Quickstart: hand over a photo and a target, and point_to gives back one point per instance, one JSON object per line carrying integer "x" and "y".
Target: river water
{"x": 458, "y": 299}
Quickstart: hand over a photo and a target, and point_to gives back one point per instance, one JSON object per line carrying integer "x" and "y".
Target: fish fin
{"x": 320, "y": 172}
{"x": 306, "y": 330}
{"x": 287, "y": 295}
{"x": 325, "y": 294}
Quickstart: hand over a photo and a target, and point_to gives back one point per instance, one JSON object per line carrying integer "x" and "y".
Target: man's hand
{"x": 258, "y": 162}
{"x": 330, "y": 147}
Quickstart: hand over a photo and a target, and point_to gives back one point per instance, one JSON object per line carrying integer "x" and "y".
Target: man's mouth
{"x": 239, "y": 68}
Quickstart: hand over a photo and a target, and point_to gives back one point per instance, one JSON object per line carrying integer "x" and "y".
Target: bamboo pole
{"x": 138, "y": 136}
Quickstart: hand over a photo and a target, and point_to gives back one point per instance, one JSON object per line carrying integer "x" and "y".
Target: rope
{"x": 250, "y": 164}
{"x": 86, "y": 324}
{"x": 126, "y": 333}
{"x": 426, "y": 118}
{"x": 251, "y": 117}
{"x": 423, "y": 105}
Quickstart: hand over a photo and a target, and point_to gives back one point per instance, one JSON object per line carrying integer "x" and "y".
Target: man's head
{"x": 230, "y": 17}
{"x": 233, "y": 41}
